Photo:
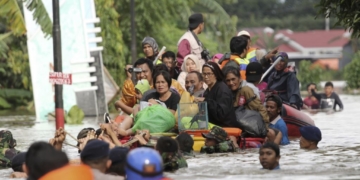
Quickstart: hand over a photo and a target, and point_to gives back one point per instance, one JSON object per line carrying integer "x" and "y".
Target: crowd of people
{"x": 225, "y": 82}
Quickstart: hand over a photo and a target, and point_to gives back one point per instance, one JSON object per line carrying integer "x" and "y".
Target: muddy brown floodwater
{"x": 337, "y": 157}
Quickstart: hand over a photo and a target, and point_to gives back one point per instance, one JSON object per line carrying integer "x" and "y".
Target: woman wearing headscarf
{"x": 218, "y": 96}
{"x": 216, "y": 58}
{"x": 191, "y": 63}
{"x": 150, "y": 48}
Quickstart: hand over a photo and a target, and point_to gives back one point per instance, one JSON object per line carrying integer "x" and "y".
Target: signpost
{"x": 60, "y": 78}
{"x": 59, "y": 109}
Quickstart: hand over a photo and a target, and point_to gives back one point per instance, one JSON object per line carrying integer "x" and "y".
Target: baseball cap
{"x": 243, "y": 32}
{"x": 311, "y": 133}
{"x": 254, "y": 71}
{"x": 216, "y": 133}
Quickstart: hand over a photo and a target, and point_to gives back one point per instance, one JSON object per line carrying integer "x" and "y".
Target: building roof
{"x": 320, "y": 38}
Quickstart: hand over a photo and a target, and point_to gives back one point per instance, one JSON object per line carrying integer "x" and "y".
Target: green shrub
{"x": 352, "y": 72}
{"x": 309, "y": 73}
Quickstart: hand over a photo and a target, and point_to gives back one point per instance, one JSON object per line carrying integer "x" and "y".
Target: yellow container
{"x": 198, "y": 143}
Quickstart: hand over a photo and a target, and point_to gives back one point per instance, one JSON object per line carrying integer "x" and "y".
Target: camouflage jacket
{"x": 225, "y": 146}
{"x": 188, "y": 154}
{"x": 7, "y": 150}
{"x": 173, "y": 162}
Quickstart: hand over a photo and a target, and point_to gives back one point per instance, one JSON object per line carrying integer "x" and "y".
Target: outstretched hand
{"x": 58, "y": 139}
{"x": 83, "y": 141}
{"x": 271, "y": 54}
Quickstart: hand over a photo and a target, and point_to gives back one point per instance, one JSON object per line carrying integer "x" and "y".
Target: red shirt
{"x": 311, "y": 102}
{"x": 184, "y": 49}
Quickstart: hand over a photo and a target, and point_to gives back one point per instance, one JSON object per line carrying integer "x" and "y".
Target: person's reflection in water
{"x": 310, "y": 137}
{"x": 269, "y": 156}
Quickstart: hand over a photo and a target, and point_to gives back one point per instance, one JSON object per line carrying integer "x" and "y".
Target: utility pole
{"x": 327, "y": 20}
{"x": 59, "y": 111}
{"x": 133, "y": 31}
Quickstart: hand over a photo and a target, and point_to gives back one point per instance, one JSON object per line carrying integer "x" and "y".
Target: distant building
{"x": 332, "y": 49}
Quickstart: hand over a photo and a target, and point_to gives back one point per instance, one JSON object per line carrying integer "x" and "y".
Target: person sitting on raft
{"x": 285, "y": 83}
{"x": 191, "y": 63}
{"x": 245, "y": 95}
{"x": 194, "y": 84}
{"x": 216, "y": 142}
{"x": 151, "y": 49}
{"x": 273, "y": 108}
{"x": 146, "y": 67}
{"x": 128, "y": 98}
{"x": 218, "y": 96}
{"x": 162, "y": 82}
{"x": 239, "y": 47}
{"x": 310, "y": 137}
{"x": 169, "y": 59}
{"x": 175, "y": 85}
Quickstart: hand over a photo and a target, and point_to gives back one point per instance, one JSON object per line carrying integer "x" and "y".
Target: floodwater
{"x": 337, "y": 157}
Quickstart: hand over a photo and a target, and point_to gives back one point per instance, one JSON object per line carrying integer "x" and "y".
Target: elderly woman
{"x": 243, "y": 93}
{"x": 162, "y": 95}
{"x": 218, "y": 96}
{"x": 191, "y": 63}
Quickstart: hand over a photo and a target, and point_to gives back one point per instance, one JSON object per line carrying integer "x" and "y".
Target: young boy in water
{"x": 269, "y": 156}
{"x": 329, "y": 94}
{"x": 216, "y": 142}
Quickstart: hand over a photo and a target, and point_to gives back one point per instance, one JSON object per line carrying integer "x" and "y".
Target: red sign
{"x": 60, "y": 78}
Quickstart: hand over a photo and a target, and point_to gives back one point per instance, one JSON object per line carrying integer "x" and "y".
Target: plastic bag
{"x": 250, "y": 122}
{"x": 155, "y": 118}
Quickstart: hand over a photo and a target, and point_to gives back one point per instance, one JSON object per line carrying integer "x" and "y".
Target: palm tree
{"x": 13, "y": 51}
{"x": 12, "y": 9}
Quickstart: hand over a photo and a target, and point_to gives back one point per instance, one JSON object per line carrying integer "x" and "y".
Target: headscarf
{"x": 151, "y": 41}
{"x": 194, "y": 58}
{"x": 217, "y": 56}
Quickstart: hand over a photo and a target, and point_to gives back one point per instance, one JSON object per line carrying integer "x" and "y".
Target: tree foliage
{"x": 115, "y": 50}
{"x": 309, "y": 73}
{"x": 347, "y": 13}
{"x": 14, "y": 60}
{"x": 163, "y": 20}
{"x": 297, "y": 15}
{"x": 15, "y": 20}
{"x": 40, "y": 16}
{"x": 352, "y": 72}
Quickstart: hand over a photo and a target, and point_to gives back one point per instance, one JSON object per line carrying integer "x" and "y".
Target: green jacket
{"x": 222, "y": 147}
{"x": 7, "y": 150}
{"x": 188, "y": 154}
{"x": 173, "y": 162}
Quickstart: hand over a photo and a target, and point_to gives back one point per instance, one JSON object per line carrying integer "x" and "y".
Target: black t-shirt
{"x": 171, "y": 102}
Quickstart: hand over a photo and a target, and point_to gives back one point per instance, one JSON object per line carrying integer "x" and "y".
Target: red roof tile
{"x": 319, "y": 38}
